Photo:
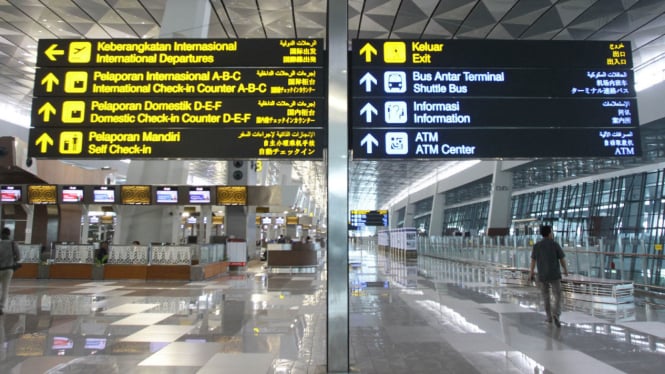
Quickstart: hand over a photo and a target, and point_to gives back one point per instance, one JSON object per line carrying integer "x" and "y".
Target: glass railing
{"x": 624, "y": 259}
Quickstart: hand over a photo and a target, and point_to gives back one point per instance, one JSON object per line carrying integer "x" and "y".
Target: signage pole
{"x": 338, "y": 294}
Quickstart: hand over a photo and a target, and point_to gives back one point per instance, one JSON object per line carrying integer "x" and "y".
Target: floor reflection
{"x": 252, "y": 320}
{"x": 461, "y": 317}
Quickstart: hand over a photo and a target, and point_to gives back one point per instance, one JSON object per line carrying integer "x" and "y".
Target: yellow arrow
{"x": 49, "y": 80}
{"x": 368, "y": 50}
{"x": 51, "y": 52}
{"x": 47, "y": 109}
{"x": 43, "y": 141}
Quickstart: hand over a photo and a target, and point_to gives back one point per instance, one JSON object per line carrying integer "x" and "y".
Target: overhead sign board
{"x": 179, "y": 98}
{"x": 180, "y": 52}
{"x": 489, "y": 99}
{"x": 361, "y": 218}
{"x": 240, "y": 81}
{"x": 186, "y": 143}
{"x": 175, "y": 111}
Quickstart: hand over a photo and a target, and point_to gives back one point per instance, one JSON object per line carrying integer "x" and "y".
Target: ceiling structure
{"x": 372, "y": 183}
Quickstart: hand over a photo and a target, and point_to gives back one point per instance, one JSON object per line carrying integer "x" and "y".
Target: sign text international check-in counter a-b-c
{"x": 185, "y": 98}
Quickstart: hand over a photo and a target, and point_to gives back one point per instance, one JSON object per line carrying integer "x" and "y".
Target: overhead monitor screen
{"x": 62, "y": 342}
{"x": 167, "y": 195}
{"x": 11, "y": 194}
{"x": 72, "y": 194}
{"x": 104, "y": 194}
{"x": 199, "y": 195}
{"x": 95, "y": 343}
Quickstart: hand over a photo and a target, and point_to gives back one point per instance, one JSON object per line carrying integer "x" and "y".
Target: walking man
{"x": 548, "y": 255}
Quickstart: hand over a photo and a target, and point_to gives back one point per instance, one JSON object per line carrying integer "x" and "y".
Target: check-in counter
{"x": 301, "y": 255}
{"x": 160, "y": 262}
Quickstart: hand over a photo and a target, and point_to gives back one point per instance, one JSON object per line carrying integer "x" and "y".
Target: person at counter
{"x": 102, "y": 253}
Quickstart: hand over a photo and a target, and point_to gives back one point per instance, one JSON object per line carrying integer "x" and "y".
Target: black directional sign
{"x": 192, "y": 143}
{"x": 488, "y": 99}
{"x": 127, "y": 82}
{"x": 179, "y": 98}
{"x": 180, "y": 52}
{"x": 177, "y": 111}
{"x": 361, "y": 218}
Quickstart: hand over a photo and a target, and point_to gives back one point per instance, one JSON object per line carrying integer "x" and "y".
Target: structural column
{"x": 436, "y": 217}
{"x": 338, "y": 199}
{"x": 240, "y": 221}
{"x": 498, "y": 220}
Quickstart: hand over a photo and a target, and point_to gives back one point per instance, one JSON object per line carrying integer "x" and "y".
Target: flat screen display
{"x": 104, "y": 194}
{"x": 62, "y": 342}
{"x": 95, "y": 343}
{"x": 71, "y": 194}
{"x": 167, "y": 195}
{"x": 199, "y": 195}
{"x": 11, "y": 194}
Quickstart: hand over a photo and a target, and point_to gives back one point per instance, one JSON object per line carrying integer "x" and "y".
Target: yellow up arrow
{"x": 368, "y": 50}
{"x": 43, "y": 141}
{"x": 47, "y": 109}
{"x": 51, "y": 52}
{"x": 49, "y": 80}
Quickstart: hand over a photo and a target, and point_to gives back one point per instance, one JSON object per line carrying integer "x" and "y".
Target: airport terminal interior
{"x": 265, "y": 230}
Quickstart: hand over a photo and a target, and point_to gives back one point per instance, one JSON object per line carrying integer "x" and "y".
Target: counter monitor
{"x": 199, "y": 195}
{"x": 104, "y": 194}
{"x": 166, "y": 195}
{"x": 11, "y": 194}
{"x": 71, "y": 194}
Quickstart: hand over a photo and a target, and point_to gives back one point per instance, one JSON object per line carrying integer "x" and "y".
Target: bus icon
{"x": 394, "y": 82}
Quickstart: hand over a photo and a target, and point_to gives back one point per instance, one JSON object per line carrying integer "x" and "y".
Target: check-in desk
{"x": 30, "y": 259}
{"x": 300, "y": 255}
{"x": 154, "y": 262}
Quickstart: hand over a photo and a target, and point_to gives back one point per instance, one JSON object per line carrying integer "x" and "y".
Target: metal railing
{"x": 622, "y": 259}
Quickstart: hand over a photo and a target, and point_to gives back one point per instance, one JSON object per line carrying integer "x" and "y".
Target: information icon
{"x": 395, "y": 111}
{"x": 397, "y": 143}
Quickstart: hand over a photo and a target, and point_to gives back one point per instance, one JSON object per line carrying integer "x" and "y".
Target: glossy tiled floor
{"x": 422, "y": 316}
{"x": 434, "y": 316}
{"x": 247, "y": 322}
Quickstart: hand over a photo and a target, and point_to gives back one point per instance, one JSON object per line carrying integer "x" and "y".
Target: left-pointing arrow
{"x": 49, "y": 80}
{"x": 47, "y": 109}
{"x": 43, "y": 142}
{"x": 52, "y": 51}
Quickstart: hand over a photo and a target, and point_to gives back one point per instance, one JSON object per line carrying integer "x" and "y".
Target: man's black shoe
{"x": 557, "y": 322}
